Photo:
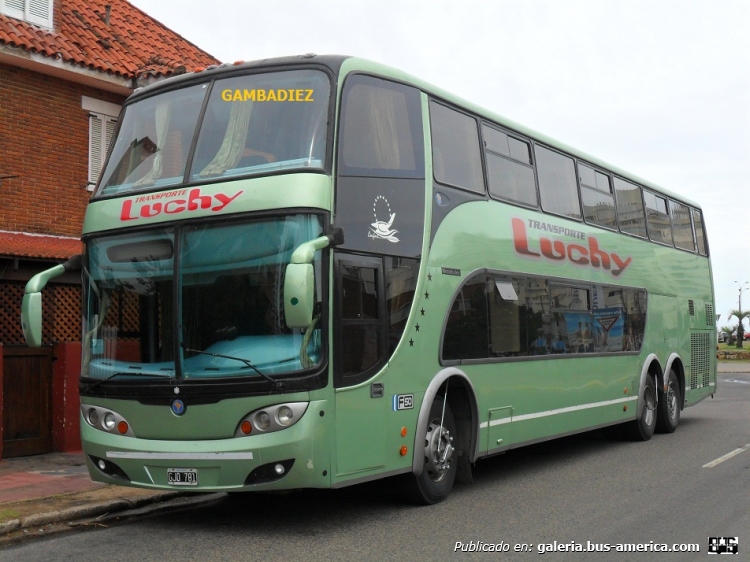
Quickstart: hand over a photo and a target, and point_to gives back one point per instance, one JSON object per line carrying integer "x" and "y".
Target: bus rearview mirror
{"x": 299, "y": 299}
{"x": 31, "y": 319}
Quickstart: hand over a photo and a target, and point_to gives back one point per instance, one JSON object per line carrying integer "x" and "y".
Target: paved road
{"x": 580, "y": 489}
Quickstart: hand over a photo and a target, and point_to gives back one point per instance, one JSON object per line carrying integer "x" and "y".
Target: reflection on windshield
{"x": 230, "y": 296}
{"x": 152, "y": 144}
{"x": 253, "y": 124}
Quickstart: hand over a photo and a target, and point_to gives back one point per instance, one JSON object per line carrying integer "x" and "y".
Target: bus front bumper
{"x": 297, "y": 457}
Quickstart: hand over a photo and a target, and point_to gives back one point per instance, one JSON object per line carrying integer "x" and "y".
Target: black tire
{"x": 670, "y": 403}
{"x": 642, "y": 428}
{"x": 439, "y": 471}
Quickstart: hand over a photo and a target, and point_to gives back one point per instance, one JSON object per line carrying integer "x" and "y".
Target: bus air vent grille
{"x": 700, "y": 359}
{"x": 691, "y": 307}
{"x": 710, "y": 321}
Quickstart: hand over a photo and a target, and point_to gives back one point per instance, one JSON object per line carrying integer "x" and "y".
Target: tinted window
{"x": 381, "y": 129}
{"x": 557, "y": 183}
{"x": 700, "y": 234}
{"x": 598, "y": 201}
{"x": 682, "y": 229}
{"x": 263, "y": 123}
{"x": 360, "y": 313}
{"x": 630, "y": 208}
{"x": 401, "y": 282}
{"x": 548, "y": 319}
{"x": 517, "y": 317}
{"x": 466, "y": 331}
{"x": 510, "y": 174}
{"x": 456, "y": 159}
{"x": 659, "y": 226}
{"x": 529, "y": 316}
{"x": 152, "y": 143}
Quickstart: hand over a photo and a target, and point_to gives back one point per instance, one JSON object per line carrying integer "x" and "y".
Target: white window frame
{"x": 102, "y": 121}
{"x": 38, "y": 12}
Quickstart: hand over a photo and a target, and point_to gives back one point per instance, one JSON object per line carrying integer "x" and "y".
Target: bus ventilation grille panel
{"x": 710, "y": 321}
{"x": 700, "y": 359}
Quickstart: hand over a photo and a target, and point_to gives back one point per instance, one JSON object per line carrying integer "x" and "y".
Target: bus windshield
{"x": 252, "y": 124}
{"x": 228, "y": 290}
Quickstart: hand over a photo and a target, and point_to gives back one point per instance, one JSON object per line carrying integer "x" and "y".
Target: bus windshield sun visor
{"x": 507, "y": 292}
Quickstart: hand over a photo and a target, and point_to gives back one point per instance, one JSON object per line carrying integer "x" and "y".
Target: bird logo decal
{"x": 381, "y": 229}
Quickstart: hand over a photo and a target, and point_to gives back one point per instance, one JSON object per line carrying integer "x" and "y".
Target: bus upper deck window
{"x": 455, "y": 149}
{"x": 381, "y": 129}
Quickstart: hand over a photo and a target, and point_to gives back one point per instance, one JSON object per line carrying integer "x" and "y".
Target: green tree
{"x": 728, "y": 331}
{"x": 740, "y": 328}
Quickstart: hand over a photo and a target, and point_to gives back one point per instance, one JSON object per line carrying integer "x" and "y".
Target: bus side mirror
{"x": 299, "y": 295}
{"x": 31, "y": 307}
{"x": 299, "y": 282}
{"x": 31, "y": 319}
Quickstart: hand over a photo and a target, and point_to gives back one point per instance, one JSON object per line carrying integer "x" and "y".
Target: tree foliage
{"x": 740, "y": 328}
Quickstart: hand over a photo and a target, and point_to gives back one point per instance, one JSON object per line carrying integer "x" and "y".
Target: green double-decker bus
{"x": 316, "y": 271}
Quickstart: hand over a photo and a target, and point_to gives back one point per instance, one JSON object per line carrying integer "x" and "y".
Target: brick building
{"x": 66, "y": 67}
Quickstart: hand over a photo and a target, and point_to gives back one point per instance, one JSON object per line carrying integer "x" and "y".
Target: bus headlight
{"x": 285, "y": 416}
{"x": 270, "y": 418}
{"x": 105, "y": 419}
{"x": 262, "y": 421}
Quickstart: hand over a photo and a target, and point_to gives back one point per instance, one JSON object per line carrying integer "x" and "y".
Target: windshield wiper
{"x": 278, "y": 385}
{"x": 93, "y": 385}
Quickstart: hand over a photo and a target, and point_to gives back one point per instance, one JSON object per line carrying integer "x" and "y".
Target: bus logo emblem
{"x": 403, "y": 402}
{"x": 178, "y": 407}
{"x": 381, "y": 229}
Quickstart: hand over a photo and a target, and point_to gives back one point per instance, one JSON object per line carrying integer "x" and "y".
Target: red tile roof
{"x": 22, "y": 245}
{"x": 133, "y": 45}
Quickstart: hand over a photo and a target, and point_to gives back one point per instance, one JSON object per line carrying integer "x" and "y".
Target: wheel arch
{"x": 463, "y": 402}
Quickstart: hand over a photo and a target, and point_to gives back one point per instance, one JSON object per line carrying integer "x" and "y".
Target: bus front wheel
{"x": 669, "y": 406}
{"x": 642, "y": 428}
{"x": 440, "y": 462}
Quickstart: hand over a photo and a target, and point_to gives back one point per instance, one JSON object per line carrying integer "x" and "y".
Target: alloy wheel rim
{"x": 438, "y": 451}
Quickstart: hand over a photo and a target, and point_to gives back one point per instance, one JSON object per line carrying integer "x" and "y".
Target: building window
{"x": 101, "y": 128}
{"x": 102, "y": 121}
{"x": 38, "y": 12}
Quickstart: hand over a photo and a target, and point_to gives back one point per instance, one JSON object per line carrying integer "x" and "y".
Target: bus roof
{"x": 341, "y": 65}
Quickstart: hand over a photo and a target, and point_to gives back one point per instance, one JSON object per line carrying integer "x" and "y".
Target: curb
{"x": 83, "y": 511}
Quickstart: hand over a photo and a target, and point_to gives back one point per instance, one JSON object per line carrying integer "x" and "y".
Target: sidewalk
{"x": 47, "y": 493}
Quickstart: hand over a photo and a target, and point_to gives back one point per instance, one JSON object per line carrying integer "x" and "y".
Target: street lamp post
{"x": 741, "y": 287}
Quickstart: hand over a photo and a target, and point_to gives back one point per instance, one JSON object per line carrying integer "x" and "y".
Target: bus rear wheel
{"x": 642, "y": 428}
{"x": 669, "y": 406}
{"x": 440, "y": 465}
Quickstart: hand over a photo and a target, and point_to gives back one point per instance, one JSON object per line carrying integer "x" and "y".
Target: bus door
{"x": 360, "y": 352}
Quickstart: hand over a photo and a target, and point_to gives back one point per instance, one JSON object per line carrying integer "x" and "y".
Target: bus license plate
{"x": 182, "y": 476}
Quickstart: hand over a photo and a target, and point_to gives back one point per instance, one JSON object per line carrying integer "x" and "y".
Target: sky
{"x": 660, "y": 88}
